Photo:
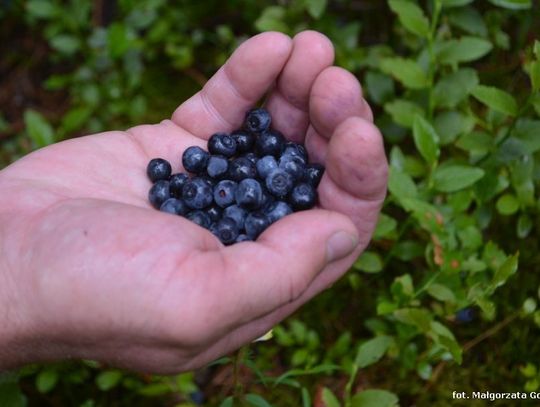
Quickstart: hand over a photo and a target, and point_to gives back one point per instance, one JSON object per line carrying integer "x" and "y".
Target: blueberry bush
{"x": 444, "y": 299}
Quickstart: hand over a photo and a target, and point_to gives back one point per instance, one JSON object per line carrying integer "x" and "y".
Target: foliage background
{"x": 437, "y": 304}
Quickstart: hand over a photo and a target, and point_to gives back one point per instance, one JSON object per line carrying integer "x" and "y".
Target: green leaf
{"x": 108, "y": 379}
{"x": 524, "y": 226}
{"x": 329, "y": 399}
{"x": 507, "y": 204}
{"x": 529, "y": 305}
{"x": 452, "y": 178}
{"x": 441, "y": 292}
{"x": 401, "y": 185}
{"x": 41, "y": 8}
{"x": 534, "y": 73}
{"x": 455, "y": 3}
{"x": 306, "y": 399}
{"x": 496, "y": 99}
{"x": 256, "y": 400}
{"x": 508, "y": 268}
{"x": 154, "y": 389}
{"x": 228, "y": 402}
{"x": 39, "y": 130}
{"x": 369, "y": 262}
{"x": 444, "y": 337}
{"x": 414, "y": 316}
{"x": 411, "y": 16}
{"x": 454, "y": 88}
{"x": 403, "y": 111}
{"x": 371, "y": 351}
{"x": 66, "y": 44}
{"x": 374, "y": 398}
{"x": 385, "y": 226}
{"x": 271, "y": 19}
{"x": 11, "y": 395}
{"x": 513, "y": 4}
{"x": 46, "y": 380}
{"x": 466, "y": 49}
{"x": 470, "y": 20}
{"x": 450, "y": 124}
{"x": 536, "y": 49}
{"x": 316, "y": 8}
{"x": 407, "y": 71}
{"x": 426, "y": 140}
{"x": 380, "y": 87}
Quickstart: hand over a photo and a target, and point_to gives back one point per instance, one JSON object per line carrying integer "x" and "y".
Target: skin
{"x": 89, "y": 270}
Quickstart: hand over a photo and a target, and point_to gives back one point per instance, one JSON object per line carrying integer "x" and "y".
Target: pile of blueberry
{"x": 246, "y": 181}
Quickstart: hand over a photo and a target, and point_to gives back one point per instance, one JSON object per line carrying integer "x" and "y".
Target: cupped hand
{"x": 89, "y": 270}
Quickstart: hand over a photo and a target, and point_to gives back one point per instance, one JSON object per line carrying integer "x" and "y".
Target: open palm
{"x": 92, "y": 271}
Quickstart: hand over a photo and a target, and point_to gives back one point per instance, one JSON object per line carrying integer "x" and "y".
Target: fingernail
{"x": 340, "y": 245}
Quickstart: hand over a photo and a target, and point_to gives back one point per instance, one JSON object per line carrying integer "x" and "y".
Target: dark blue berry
{"x": 313, "y": 174}
{"x": 277, "y": 210}
{"x": 222, "y": 144}
{"x": 251, "y": 157}
{"x": 176, "y": 183}
{"x": 293, "y": 165}
{"x": 465, "y": 315}
{"x": 217, "y": 166}
{"x": 226, "y": 230}
{"x": 257, "y": 120}
{"x": 174, "y": 206}
{"x": 266, "y": 165}
{"x": 279, "y": 183}
{"x": 215, "y": 212}
{"x": 159, "y": 193}
{"x": 303, "y": 196}
{"x": 201, "y": 218}
{"x": 242, "y": 238}
{"x": 197, "y": 397}
{"x": 224, "y": 193}
{"x": 249, "y": 194}
{"x": 241, "y": 168}
{"x": 255, "y": 224}
{"x": 197, "y": 193}
{"x": 158, "y": 169}
{"x": 270, "y": 142}
{"x": 244, "y": 141}
{"x": 297, "y": 150}
{"x": 195, "y": 159}
{"x": 237, "y": 213}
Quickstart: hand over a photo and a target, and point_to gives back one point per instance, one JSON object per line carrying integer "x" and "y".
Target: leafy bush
{"x": 455, "y": 87}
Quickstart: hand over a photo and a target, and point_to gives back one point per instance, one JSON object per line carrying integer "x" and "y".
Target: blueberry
{"x": 267, "y": 197}
{"x": 201, "y": 218}
{"x": 242, "y": 238}
{"x": 257, "y": 120}
{"x": 241, "y": 168}
{"x": 293, "y": 165}
{"x": 226, "y": 230}
{"x": 176, "y": 183}
{"x": 214, "y": 212}
{"x": 244, "y": 141}
{"x": 277, "y": 210}
{"x": 222, "y": 144}
{"x": 174, "y": 206}
{"x": 279, "y": 183}
{"x": 249, "y": 194}
{"x": 251, "y": 157}
{"x": 217, "y": 166}
{"x": 197, "y": 193}
{"x": 255, "y": 224}
{"x": 195, "y": 159}
{"x": 224, "y": 193}
{"x": 303, "y": 196}
{"x": 206, "y": 178}
{"x": 465, "y": 315}
{"x": 159, "y": 193}
{"x": 313, "y": 174}
{"x": 158, "y": 169}
{"x": 270, "y": 142}
{"x": 237, "y": 213}
{"x": 296, "y": 150}
{"x": 265, "y": 166}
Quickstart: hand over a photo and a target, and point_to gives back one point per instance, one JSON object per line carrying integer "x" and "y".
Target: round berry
{"x": 244, "y": 141}
{"x": 195, "y": 159}
{"x": 237, "y": 213}
{"x": 296, "y": 150}
{"x": 242, "y": 238}
{"x": 176, "y": 183}
{"x": 277, "y": 210}
{"x": 241, "y": 168}
{"x": 199, "y": 217}
{"x": 197, "y": 193}
{"x": 303, "y": 196}
{"x": 251, "y": 157}
{"x": 217, "y": 166}
{"x": 214, "y": 212}
{"x": 257, "y": 120}
{"x": 158, "y": 169}
{"x": 224, "y": 193}
{"x": 174, "y": 206}
{"x": 465, "y": 315}
{"x": 266, "y": 165}
{"x": 270, "y": 142}
{"x": 313, "y": 174}
{"x": 226, "y": 230}
{"x": 279, "y": 183}
{"x": 222, "y": 144}
{"x": 159, "y": 193}
{"x": 249, "y": 194}
{"x": 255, "y": 224}
{"x": 293, "y": 165}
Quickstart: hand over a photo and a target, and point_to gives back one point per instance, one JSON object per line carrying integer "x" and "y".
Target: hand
{"x": 89, "y": 270}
